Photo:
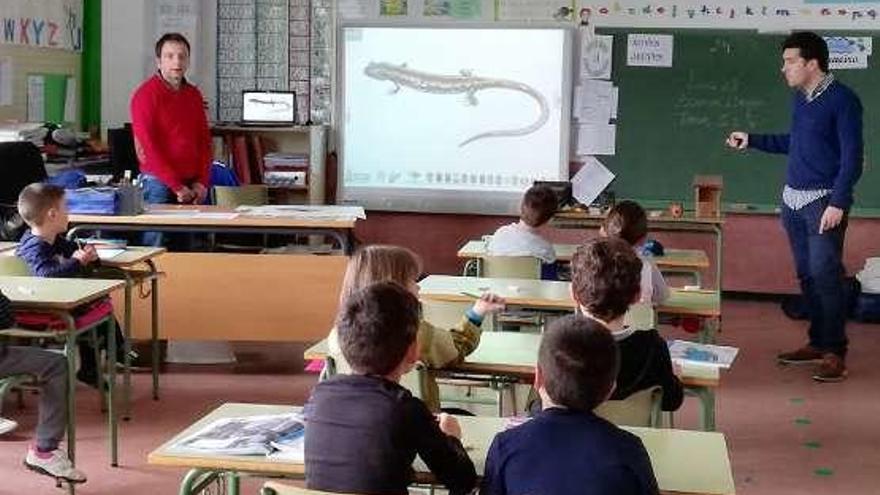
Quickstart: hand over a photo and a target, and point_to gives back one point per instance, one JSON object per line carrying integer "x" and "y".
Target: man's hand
{"x": 830, "y": 219}
{"x": 738, "y": 140}
{"x": 185, "y": 195}
{"x": 200, "y": 191}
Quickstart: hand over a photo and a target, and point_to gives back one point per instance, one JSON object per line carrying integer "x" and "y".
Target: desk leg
{"x": 719, "y": 245}
{"x": 708, "y": 330}
{"x": 111, "y": 382}
{"x": 232, "y": 483}
{"x": 706, "y": 396}
{"x": 69, "y": 351}
{"x": 126, "y": 377}
{"x": 197, "y": 480}
{"x": 154, "y": 322}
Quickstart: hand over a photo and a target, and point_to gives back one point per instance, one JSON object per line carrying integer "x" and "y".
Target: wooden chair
{"x": 527, "y": 267}
{"x": 13, "y": 266}
{"x": 511, "y": 267}
{"x": 232, "y": 197}
{"x": 640, "y": 316}
{"x": 639, "y": 409}
{"x": 275, "y": 488}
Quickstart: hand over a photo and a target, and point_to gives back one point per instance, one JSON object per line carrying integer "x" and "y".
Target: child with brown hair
{"x": 605, "y": 275}
{"x": 365, "y": 430}
{"x": 438, "y": 347}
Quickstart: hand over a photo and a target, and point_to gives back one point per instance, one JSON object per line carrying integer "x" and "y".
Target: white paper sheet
{"x": 594, "y": 102}
{"x": 590, "y": 180}
{"x": 6, "y": 77}
{"x": 109, "y": 253}
{"x": 70, "y": 101}
{"x": 596, "y": 56}
{"x": 596, "y": 139}
{"x": 649, "y": 50}
{"x": 36, "y": 106}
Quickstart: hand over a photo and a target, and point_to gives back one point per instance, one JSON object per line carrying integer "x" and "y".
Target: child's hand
{"x": 84, "y": 257}
{"x": 449, "y": 425}
{"x": 488, "y": 303}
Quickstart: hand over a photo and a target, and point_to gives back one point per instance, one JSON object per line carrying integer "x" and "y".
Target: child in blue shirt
{"x": 566, "y": 449}
{"x": 49, "y": 254}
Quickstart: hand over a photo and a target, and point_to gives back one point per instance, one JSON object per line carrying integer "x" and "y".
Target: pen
{"x": 470, "y": 294}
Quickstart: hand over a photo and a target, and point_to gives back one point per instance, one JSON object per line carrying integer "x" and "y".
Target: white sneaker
{"x": 57, "y": 466}
{"x": 7, "y": 425}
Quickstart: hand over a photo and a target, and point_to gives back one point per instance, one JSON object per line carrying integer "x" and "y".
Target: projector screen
{"x": 451, "y": 119}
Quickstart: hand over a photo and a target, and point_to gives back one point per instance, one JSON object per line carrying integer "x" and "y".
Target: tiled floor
{"x": 786, "y": 433}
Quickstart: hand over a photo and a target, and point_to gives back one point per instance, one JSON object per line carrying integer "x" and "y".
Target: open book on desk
{"x": 249, "y": 435}
{"x": 692, "y": 354}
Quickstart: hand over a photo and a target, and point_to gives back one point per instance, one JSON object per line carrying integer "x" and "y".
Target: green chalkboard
{"x": 672, "y": 122}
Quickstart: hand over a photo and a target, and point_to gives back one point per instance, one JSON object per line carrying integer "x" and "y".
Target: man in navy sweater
{"x": 825, "y": 152}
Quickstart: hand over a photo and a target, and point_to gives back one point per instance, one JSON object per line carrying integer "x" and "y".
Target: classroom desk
{"x": 513, "y": 355}
{"x": 689, "y": 261}
{"x": 556, "y": 296}
{"x": 60, "y": 296}
{"x": 125, "y": 264}
{"x": 210, "y": 219}
{"x": 684, "y": 462}
{"x": 235, "y": 296}
{"x": 577, "y": 219}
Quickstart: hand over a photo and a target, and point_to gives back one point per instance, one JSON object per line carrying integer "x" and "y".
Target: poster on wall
{"x": 763, "y": 15}
{"x": 180, "y": 16}
{"x": 42, "y": 23}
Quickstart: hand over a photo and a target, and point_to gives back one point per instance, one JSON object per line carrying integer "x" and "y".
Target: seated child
{"x": 438, "y": 347}
{"x": 522, "y": 238}
{"x": 605, "y": 277}
{"x": 50, "y": 369}
{"x": 364, "y": 430}
{"x": 49, "y": 254}
{"x": 628, "y": 221}
{"x": 566, "y": 449}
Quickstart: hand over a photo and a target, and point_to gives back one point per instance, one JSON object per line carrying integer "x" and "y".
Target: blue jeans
{"x": 155, "y": 192}
{"x": 818, "y": 260}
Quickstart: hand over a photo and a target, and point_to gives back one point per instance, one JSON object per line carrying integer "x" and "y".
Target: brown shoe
{"x": 804, "y": 355}
{"x": 832, "y": 369}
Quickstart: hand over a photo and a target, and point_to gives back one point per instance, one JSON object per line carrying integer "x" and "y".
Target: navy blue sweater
{"x": 564, "y": 452}
{"x": 49, "y": 259}
{"x": 824, "y": 145}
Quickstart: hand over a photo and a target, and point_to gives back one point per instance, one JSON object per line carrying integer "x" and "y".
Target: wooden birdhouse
{"x": 707, "y": 195}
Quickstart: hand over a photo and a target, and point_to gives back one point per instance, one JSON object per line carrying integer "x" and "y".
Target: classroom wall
{"x": 756, "y": 254}
{"x": 31, "y": 60}
{"x": 127, "y": 58}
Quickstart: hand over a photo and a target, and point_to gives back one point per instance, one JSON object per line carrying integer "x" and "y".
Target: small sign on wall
{"x": 649, "y": 50}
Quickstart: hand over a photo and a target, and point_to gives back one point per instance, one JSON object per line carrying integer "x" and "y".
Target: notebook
{"x": 268, "y": 108}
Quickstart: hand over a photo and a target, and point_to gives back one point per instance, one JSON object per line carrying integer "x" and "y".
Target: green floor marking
{"x": 823, "y": 472}
{"x": 802, "y": 421}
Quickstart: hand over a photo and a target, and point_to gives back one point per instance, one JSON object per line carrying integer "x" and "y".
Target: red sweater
{"x": 171, "y": 133}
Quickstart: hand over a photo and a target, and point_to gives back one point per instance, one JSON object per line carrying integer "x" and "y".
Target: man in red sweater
{"x": 171, "y": 134}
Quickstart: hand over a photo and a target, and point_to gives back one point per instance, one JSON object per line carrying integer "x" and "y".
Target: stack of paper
{"x": 33, "y": 132}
